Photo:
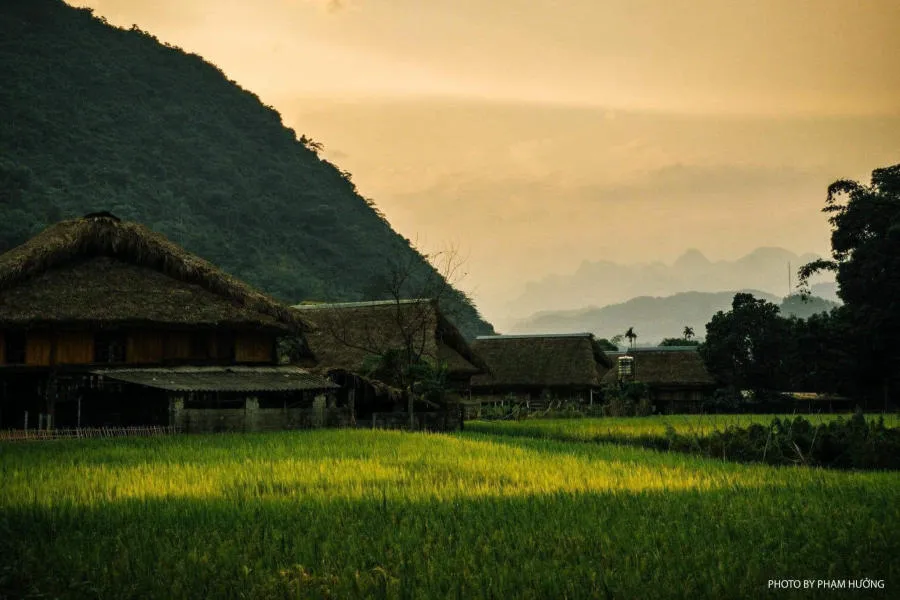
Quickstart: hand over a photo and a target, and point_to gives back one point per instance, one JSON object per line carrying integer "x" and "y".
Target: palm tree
{"x": 631, "y": 335}
{"x": 688, "y": 332}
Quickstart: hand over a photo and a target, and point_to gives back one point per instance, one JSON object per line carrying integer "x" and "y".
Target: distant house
{"x": 676, "y": 376}
{"x": 104, "y": 322}
{"x": 530, "y": 367}
{"x": 351, "y": 338}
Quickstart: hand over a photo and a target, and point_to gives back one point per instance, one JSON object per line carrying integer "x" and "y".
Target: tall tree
{"x": 688, "y": 332}
{"x": 745, "y": 347}
{"x": 865, "y": 255}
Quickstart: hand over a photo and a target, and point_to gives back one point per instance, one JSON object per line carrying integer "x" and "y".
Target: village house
{"x": 107, "y": 323}
{"x": 676, "y": 377}
{"x": 536, "y": 368}
{"x": 354, "y": 342}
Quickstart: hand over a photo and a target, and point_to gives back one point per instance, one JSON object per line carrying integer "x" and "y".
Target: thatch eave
{"x": 69, "y": 242}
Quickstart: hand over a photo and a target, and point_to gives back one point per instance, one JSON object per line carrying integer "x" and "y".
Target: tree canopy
{"x": 865, "y": 255}
{"x": 743, "y": 347}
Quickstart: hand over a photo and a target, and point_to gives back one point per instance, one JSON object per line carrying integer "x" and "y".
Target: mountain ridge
{"x": 602, "y": 282}
{"x": 656, "y": 318}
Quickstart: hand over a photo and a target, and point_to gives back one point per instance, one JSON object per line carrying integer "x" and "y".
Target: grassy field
{"x": 613, "y": 429}
{"x": 345, "y": 514}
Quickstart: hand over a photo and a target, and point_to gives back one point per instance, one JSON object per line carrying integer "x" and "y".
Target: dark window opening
{"x": 225, "y": 341}
{"x": 110, "y": 347}
{"x": 15, "y": 348}
{"x": 200, "y": 342}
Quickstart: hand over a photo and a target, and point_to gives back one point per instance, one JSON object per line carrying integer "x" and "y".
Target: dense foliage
{"x": 743, "y": 346}
{"x": 678, "y": 342}
{"x": 832, "y": 441}
{"x": 865, "y": 249}
{"x": 853, "y": 349}
{"x": 102, "y": 118}
{"x": 375, "y": 514}
{"x": 753, "y": 347}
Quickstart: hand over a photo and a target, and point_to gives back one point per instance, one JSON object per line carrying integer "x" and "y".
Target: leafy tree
{"x": 745, "y": 347}
{"x": 669, "y": 342}
{"x": 821, "y": 353}
{"x": 398, "y": 344}
{"x": 865, "y": 255}
{"x": 688, "y": 332}
{"x": 607, "y": 345}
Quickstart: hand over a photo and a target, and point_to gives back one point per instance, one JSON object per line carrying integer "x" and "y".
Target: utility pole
{"x": 790, "y": 283}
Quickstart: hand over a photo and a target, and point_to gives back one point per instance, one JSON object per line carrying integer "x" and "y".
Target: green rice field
{"x": 623, "y": 428}
{"x": 359, "y": 514}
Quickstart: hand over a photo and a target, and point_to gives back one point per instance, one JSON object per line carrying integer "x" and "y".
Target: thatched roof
{"x": 550, "y": 360}
{"x": 100, "y": 270}
{"x": 349, "y": 335}
{"x": 675, "y": 366}
{"x": 283, "y": 378}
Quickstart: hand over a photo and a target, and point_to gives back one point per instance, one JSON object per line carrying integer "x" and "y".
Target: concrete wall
{"x": 449, "y": 420}
{"x": 253, "y": 418}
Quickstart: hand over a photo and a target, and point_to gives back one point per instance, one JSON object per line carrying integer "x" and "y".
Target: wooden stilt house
{"x": 676, "y": 378}
{"x": 356, "y": 342}
{"x": 536, "y": 369}
{"x": 104, "y": 322}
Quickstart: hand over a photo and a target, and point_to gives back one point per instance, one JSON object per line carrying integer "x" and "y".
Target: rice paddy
{"x": 358, "y": 514}
{"x": 621, "y": 429}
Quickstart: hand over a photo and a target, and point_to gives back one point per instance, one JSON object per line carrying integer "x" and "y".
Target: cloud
{"x": 680, "y": 180}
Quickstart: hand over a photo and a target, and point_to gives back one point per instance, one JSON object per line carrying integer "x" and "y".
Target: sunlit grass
{"x": 621, "y": 428}
{"x": 389, "y": 514}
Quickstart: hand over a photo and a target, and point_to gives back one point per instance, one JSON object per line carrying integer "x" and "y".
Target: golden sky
{"x": 536, "y": 135}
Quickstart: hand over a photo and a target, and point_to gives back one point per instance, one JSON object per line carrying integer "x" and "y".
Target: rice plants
{"x": 347, "y": 514}
{"x": 624, "y": 428}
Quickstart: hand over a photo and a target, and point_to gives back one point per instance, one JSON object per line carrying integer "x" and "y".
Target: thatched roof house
{"x": 676, "y": 376}
{"x": 101, "y": 271}
{"x": 100, "y": 318}
{"x": 348, "y": 336}
{"x": 665, "y": 366}
{"x": 562, "y": 364}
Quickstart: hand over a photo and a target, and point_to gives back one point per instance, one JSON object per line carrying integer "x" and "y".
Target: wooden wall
{"x": 178, "y": 346}
{"x": 254, "y": 348}
{"x": 74, "y": 348}
{"x": 145, "y": 347}
{"x": 39, "y": 349}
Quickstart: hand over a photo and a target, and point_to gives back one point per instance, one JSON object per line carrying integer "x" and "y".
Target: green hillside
{"x": 101, "y": 118}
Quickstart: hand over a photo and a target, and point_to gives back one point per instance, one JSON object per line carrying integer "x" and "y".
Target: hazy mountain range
{"x": 600, "y": 283}
{"x": 655, "y": 318}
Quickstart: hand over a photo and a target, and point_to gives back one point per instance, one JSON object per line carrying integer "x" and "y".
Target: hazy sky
{"x": 536, "y": 135}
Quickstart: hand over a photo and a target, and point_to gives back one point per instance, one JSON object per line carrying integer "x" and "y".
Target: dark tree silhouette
{"x": 631, "y": 336}
{"x": 865, "y": 255}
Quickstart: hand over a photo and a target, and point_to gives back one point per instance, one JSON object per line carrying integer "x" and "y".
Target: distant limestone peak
{"x": 691, "y": 259}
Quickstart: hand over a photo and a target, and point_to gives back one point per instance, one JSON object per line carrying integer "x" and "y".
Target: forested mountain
{"x": 101, "y": 118}
{"x": 655, "y": 318}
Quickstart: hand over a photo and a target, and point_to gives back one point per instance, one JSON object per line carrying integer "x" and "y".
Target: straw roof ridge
{"x": 663, "y": 366}
{"x": 104, "y": 235}
{"x": 541, "y": 361}
{"x": 349, "y": 332}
